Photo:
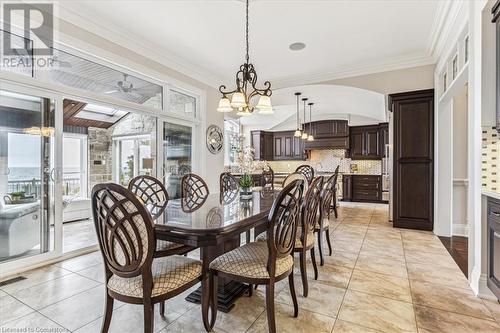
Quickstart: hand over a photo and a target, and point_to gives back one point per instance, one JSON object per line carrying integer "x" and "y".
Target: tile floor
{"x": 379, "y": 279}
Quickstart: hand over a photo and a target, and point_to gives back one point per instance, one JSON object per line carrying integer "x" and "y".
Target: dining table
{"x": 214, "y": 224}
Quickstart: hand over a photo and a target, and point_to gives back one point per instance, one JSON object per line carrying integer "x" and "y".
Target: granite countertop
{"x": 495, "y": 195}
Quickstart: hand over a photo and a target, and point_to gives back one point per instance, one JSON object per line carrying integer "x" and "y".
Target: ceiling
{"x": 206, "y": 38}
{"x": 330, "y": 102}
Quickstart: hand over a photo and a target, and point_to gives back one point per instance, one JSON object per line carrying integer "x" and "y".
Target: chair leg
{"x": 320, "y": 245}
{"x": 291, "y": 283}
{"x": 213, "y": 299}
{"x": 207, "y": 301}
{"x": 148, "y": 316}
{"x": 271, "y": 323}
{"x": 303, "y": 273}
{"x": 328, "y": 241}
{"x": 108, "y": 312}
{"x": 250, "y": 290}
{"x": 248, "y": 236}
{"x": 313, "y": 259}
{"x": 335, "y": 212}
{"x": 162, "y": 308}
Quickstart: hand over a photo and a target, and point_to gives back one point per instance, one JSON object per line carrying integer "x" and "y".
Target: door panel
{"x": 372, "y": 143}
{"x": 413, "y": 159}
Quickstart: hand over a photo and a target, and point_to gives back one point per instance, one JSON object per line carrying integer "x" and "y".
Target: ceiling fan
{"x": 122, "y": 86}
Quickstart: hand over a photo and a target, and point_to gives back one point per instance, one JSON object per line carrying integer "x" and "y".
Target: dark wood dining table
{"x": 215, "y": 225}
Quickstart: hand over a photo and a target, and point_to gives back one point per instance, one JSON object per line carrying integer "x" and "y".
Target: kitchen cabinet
{"x": 365, "y": 142}
{"x": 262, "y": 143}
{"x": 496, "y": 20}
{"x": 366, "y": 188}
{"x": 493, "y": 222}
{"x": 287, "y": 147}
{"x": 384, "y": 138}
{"x": 330, "y": 129}
{"x": 346, "y": 188}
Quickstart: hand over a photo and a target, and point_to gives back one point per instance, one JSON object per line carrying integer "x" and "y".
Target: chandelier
{"x": 246, "y": 80}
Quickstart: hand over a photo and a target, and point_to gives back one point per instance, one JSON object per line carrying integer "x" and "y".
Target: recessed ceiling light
{"x": 297, "y": 46}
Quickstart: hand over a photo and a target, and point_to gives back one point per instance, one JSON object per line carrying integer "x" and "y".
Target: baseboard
{"x": 483, "y": 290}
{"x": 460, "y": 229}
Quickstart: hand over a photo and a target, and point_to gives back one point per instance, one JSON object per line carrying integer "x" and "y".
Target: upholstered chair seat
{"x": 298, "y": 243}
{"x": 250, "y": 261}
{"x": 169, "y": 273}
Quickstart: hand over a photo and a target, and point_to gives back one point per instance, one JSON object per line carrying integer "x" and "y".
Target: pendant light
{"x": 304, "y": 133}
{"x": 310, "y": 137}
{"x": 246, "y": 79}
{"x": 298, "y": 133}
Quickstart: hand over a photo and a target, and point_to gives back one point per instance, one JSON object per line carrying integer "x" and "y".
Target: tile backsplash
{"x": 490, "y": 159}
{"x": 327, "y": 160}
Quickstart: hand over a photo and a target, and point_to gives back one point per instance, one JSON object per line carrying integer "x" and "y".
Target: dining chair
{"x": 324, "y": 224}
{"x": 267, "y": 178}
{"x": 263, "y": 262}
{"x": 194, "y": 190}
{"x": 154, "y": 195}
{"x": 228, "y": 187}
{"x": 127, "y": 240}
{"x": 334, "y": 195}
{"x": 307, "y": 171}
{"x": 293, "y": 176}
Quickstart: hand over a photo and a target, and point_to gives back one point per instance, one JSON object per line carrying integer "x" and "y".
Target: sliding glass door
{"x": 27, "y": 175}
{"x": 177, "y": 156}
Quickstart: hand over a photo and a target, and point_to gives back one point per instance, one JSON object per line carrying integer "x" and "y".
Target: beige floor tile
{"x": 376, "y": 312}
{"x": 439, "y": 260}
{"x": 188, "y": 324}
{"x": 130, "y": 318}
{"x": 306, "y": 322}
{"x": 424, "y": 246}
{"x": 382, "y": 250}
{"x": 342, "y": 326}
{"x": 35, "y": 277}
{"x": 494, "y": 308}
{"x": 339, "y": 258}
{"x": 78, "y": 263}
{"x": 34, "y": 322}
{"x": 381, "y": 265}
{"x": 322, "y": 298}
{"x": 241, "y": 317}
{"x": 450, "y": 299}
{"x": 347, "y": 245}
{"x": 11, "y": 309}
{"x": 79, "y": 310}
{"x": 440, "y": 275}
{"x": 431, "y": 320}
{"x": 332, "y": 275}
{"x": 95, "y": 273}
{"x": 50, "y": 292}
{"x": 381, "y": 285}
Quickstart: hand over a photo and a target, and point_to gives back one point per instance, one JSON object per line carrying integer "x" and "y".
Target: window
{"x": 231, "y": 140}
{"x": 22, "y": 62}
{"x": 455, "y": 66}
{"x": 77, "y": 72}
{"x": 133, "y": 157}
{"x": 75, "y": 165}
{"x": 445, "y": 82}
{"x": 181, "y": 103}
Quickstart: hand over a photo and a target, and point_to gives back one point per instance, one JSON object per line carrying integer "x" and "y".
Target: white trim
{"x": 460, "y": 229}
{"x": 483, "y": 290}
{"x": 452, "y": 11}
{"x": 441, "y": 14}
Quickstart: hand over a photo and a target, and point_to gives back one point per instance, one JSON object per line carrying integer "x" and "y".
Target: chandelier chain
{"x": 247, "y": 28}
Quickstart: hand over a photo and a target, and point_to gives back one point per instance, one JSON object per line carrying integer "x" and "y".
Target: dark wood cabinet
{"x": 493, "y": 244}
{"x": 262, "y": 142}
{"x": 413, "y": 168}
{"x": 346, "y": 188}
{"x": 329, "y": 134}
{"x": 384, "y": 138}
{"x": 365, "y": 142}
{"x": 496, "y": 20}
{"x": 287, "y": 147}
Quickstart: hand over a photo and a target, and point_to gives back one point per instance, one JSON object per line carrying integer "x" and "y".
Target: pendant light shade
{"x": 310, "y": 137}
{"x": 297, "y": 133}
{"x": 243, "y": 112}
{"x": 238, "y": 100}
{"x": 264, "y": 105}
{"x": 224, "y": 105}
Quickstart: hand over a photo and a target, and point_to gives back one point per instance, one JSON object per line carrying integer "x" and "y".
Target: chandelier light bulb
{"x": 224, "y": 105}
{"x": 297, "y": 133}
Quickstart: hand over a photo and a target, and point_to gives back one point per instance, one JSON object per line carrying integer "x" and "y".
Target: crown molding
{"x": 442, "y": 10}
{"x": 357, "y": 70}
{"x": 82, "y": 19}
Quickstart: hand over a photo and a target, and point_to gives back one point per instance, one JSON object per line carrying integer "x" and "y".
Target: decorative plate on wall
{"x": 215, "y": 139}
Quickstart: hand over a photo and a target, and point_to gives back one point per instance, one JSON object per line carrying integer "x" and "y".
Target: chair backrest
{"x": 228, "y": 187}
{"x": 294, "y": 176}
{"x": 151, "y": 191}
{"x": 312, "y": 211}
{"x": 283, "y": 221}
{"x": 267, "y": 178}
{"x": 327, "y": 194}
{"x": 194, "y": 191}
{"x": 124, "y": 230}
{"x": 336, "y": 175}
{"x": 307, "y": 171}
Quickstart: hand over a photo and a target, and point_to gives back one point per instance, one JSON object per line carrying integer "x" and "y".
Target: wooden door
{"x": 384, "y": 138}
{"x": 413, "y": 159}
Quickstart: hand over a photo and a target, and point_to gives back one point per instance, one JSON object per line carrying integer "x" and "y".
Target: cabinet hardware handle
{"x": 495, "y": 214}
